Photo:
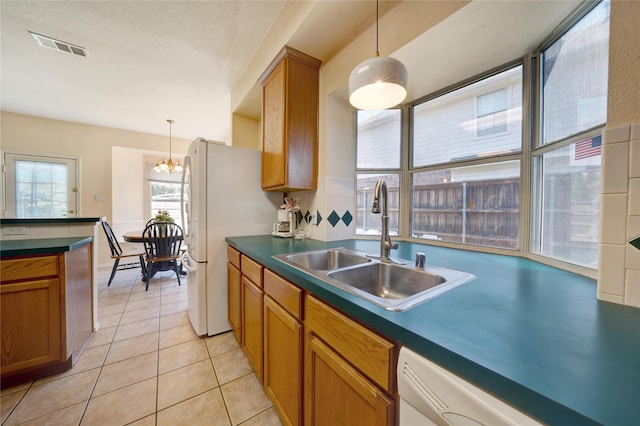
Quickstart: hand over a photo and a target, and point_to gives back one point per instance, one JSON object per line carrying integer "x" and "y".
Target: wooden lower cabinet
{"x": 234, "y": 293}
{"x": 32, "y": 326}
{"x": 349, "y": 370}
{"x": 318, "y": 366}
{"x": 283, "y": 340}
{"x": 337, "y": 394}
{"x": 252, "y": 302}
{"x": 46, "y": 312}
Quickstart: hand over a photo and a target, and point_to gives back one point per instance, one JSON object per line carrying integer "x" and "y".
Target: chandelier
{"x": 169, "y": 166}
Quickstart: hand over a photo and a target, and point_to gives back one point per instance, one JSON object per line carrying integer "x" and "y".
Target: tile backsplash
{"x": 330, "y": 211}
{"x": 619, "y": 262}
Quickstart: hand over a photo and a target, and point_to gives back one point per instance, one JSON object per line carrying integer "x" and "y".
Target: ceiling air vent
{"x": 61, "y": 46}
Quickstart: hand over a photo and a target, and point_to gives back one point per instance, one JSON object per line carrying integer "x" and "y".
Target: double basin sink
{"x": 392, "y": 286}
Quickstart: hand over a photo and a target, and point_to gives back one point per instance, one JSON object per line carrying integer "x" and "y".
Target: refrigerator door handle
{"x": 188, "y": 262}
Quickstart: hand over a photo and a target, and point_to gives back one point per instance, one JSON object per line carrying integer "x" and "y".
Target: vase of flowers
{"x": 163, "y": 216}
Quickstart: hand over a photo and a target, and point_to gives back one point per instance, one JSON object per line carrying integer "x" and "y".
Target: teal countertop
{"x": 534, "y": 335}
{"x": 41, "y": 246}
{"x": 53, "y": 220}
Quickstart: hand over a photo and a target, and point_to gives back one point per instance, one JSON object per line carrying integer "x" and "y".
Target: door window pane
{"x": 574, "y": 78}
{"x": 41, "y": 189}
{"x": 479, "y": 120}
{"x": 368, "y": 223}
{"x": 568, "y": 202}
{"x": 379, "y": 137}
{"x": 477, "y": 204}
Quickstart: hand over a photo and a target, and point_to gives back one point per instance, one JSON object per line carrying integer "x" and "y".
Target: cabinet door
{"x": 283, "y": 339}
{"x": 337, "y": 394}
{"x": 273, "y": 148}
{"x": 31, "y": 324}
{"x": 234, "y": 292}
{"x": 252, "y": 324}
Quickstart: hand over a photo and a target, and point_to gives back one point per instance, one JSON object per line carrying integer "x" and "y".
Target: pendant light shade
{"x": 379, "y": 82}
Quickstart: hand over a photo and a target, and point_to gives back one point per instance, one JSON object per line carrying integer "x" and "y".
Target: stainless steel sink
{"x": 391, "y": 286}
{"x": 326, "y": 260}
{"x": 388, "y": 281}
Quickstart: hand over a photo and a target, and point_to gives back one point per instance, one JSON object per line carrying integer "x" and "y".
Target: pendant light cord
{"x": 377, "y": 51}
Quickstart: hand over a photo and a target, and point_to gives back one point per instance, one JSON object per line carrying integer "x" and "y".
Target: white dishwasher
{"x": 431, "y": 395}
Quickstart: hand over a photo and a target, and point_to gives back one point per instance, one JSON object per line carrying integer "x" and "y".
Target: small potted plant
{"x": 163, "y": 216}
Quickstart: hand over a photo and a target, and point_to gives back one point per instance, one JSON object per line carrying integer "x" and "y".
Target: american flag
{"x": 588, "y": 147}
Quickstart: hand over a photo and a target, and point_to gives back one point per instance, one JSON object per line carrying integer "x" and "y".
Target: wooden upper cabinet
{"x": 290, "y": 122}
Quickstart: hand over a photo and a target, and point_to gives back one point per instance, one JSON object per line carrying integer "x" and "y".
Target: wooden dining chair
{"x": 162, "y": 241}
{"x": 126, "y": 255}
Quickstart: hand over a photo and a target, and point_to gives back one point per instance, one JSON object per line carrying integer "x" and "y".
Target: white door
{"x": 40, "y": 186}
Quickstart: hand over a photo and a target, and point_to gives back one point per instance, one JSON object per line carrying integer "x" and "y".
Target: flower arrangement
{"x": 290, "y": 204}
{"x": 163, "y": 216}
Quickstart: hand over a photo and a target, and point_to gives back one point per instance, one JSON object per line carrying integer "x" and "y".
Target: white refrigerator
{"x": 221, "y": 197}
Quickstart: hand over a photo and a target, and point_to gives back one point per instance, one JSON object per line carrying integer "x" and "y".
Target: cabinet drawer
{"x": 29, "y": 267}
{"x": 364, "y": 349}
{"x": 233, "y": 256}
{"x": 252, "y": 270}
{"x": 282, "y": 291}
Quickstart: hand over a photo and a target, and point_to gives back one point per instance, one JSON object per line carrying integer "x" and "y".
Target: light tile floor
{"x": 145, "y": 366}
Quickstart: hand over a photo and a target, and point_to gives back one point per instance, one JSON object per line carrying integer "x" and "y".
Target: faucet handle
{"x": 420, "y": 258}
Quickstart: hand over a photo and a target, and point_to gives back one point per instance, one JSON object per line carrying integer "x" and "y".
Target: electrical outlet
{"x": 14, "y": 230}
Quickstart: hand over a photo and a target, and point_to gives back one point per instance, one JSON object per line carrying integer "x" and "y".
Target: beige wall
{"x": 623, "y": 103}
{"x": 93, "y": 146}
{"x": 246, "y": 132}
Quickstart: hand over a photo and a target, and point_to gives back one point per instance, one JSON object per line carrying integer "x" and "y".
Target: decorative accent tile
{"x": 319, "y": 218}
{"x": 333, "y": 218}
{"x": 307, "y": 217}
{"x": 347, "y": 218}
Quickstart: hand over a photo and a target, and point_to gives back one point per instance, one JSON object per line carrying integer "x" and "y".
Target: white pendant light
{"x": 164, "y": 166}
{"x": 379, "y": 82}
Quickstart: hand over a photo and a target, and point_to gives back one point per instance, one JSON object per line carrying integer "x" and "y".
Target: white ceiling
{"x": 153, "y": 60}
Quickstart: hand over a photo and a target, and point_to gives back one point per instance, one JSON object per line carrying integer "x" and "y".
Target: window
{"x": 166, "y": 196}
{"x": 477, "y": 201}
{"x": 445, "y": 128}
{"x": 566, "y": 164}
{"x": 492, "y": 113}
{"x": 39, "y": 186}
{"x": 379, "y": 139}
{"x": 461, "y": 174}
{"x": 477, "y": 204}
{"x": 574, "y": 72}
{"x": 367, "y": 222}
{"x": 164, "y": 193}
{"x": 379, "y": 148}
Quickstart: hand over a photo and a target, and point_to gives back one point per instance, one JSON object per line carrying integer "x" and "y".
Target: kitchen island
{"x": 46, "y": 305}
{"x": 532, "y": 335}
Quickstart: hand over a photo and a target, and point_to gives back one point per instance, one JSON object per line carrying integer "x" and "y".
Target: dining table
{"x": 136, "y": 237}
